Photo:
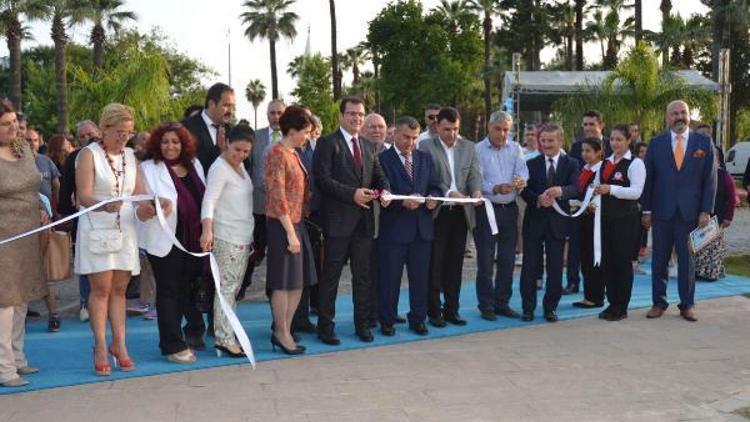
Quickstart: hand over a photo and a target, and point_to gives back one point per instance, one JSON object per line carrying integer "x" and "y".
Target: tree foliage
{"x": 637, "y": 91}
{"x": 314, "y": 90}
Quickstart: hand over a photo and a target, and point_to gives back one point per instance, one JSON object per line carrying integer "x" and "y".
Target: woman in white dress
{"x": 107, "y": 249}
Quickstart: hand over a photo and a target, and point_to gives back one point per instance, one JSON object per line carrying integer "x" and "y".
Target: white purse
{"x": 104, "y": 241}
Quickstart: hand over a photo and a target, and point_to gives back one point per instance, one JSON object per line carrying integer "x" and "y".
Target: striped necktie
{"x": 408, "y": 165}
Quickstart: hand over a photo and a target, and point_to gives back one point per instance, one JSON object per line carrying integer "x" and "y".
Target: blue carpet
{"x": 65, "y": 357}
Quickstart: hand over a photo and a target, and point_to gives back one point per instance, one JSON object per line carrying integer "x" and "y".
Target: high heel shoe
{"x": 125, "y": 365}
{"x": 275, "y": 342}
{"x": 222, "y": 350}
{"x": 101, "y": 369}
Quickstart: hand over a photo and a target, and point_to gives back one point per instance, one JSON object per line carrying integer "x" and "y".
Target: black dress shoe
{"x": 527, "y": 316}
{"x": 365, "y": 335}
{"x": 400, "y": 320}
{"x": 570, "y": 289}
{"x": 304, "y": 326}
{"x": 419, "y": 329}
{"x": 456, "y": 320}
{"x": 550, "y": 316}
{"x": 195, "y": 343}
{"x": 388, "y": 330}
{"x": 488, "y": 315}
{"x": 606, "y": 313}
{"x": 438, "y": 322}
{"x": 507, "y": 312}
{"x": 616, "y": 316}
{"x": 329, "y": 337}
{"x": 584, "y": 305}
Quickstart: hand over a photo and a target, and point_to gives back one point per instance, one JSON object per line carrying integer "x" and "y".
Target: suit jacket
{"x": 65, "y": 203}
{"x": 336, "y": 177}
{"x": 207, "y": 152}
{"x": 539, "y": 218}
{"x": 466, "y": 169}
{"x": 576, "y": 149}
{"x": 397, "y": 223}
{"x": 688, "y": 191}
{"x": 257, "y": 168}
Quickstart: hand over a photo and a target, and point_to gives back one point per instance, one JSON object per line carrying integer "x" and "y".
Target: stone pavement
{"x": 580, "y": 370}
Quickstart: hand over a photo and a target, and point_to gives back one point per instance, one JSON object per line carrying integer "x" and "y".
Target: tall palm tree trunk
{"x": 335, "y": 72}
{"x": 61, "y": 78}
{"x": 13, "y": 35}
{"x": 666, "y": 11}
{"x": 579, "y": 33}
{"x": 638, "y": 20}
{"x": 98, "y": 37}
{"x": 255, "y": 111}
{"x": 274, "y": 76}
{"x": 487, "y": 24}
{"x": 569, "y": 51}
{"x": 720, "y": 33}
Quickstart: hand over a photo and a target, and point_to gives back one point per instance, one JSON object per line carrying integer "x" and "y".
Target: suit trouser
{"x": 670, "y": 234}
{"x": 504, "y": 243}
{"x": 574, "y": 252}
{"x": 175, "y": 275}
{"x": 357, "y": 248}
{"x": 392, "y": 257}
{"x": 447, "y": 263}
{"x": 593, "y": 283}
{"x": 12, "y": 334}
{"x": 619, "y": 238}
{"x": 532, "y": 256}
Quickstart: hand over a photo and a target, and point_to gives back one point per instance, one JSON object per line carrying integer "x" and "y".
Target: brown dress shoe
{"x": 688, "y": 315}
{"x": 655, "y": 312}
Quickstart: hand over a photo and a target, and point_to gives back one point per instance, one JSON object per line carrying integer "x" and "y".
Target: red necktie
{"x": 586, "y": 176}
{"x": 357, "y": 154}
{"x": 609, "y": 168}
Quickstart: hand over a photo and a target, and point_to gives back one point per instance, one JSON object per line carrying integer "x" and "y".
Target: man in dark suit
{"x": 456, "y": 163}
{"x": 406, "y": 230}
{"x": 678, "y": 196}
{"x": 593, "y": 127}
{"x": 211, "y": 127}
{"x": 553, "y": 177}
{"x": 347, "y": 172}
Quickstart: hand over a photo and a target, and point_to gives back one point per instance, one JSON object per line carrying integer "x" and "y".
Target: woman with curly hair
{"x": 171, "y": 171}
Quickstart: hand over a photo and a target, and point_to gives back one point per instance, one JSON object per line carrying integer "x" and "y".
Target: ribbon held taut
{"x": 488, "y": 209}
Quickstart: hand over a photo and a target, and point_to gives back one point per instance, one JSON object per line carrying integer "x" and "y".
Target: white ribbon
{"x": 234, "y": 322}
{"x": 488, "y": 209}
{"x": 590, "y": 199}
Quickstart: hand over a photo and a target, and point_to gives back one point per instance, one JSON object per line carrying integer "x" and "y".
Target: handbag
{"x": 57, "y": 256}
{"x": 104, "y": 241}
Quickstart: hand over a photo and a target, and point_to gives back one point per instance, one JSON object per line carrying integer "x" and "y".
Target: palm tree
{"x": 456, "y": 11}
{"x": 104, "y": 14}
{"x": 271, "y": 20}
{"x": 596, "y": 31}
{"x": 638, "y": 5}
{"x": 294, "y": 66}
{"x": 486, "y": 8}
{"x": 354, "y": 58}
{"x": 335, "y": 70}
{"x": 11, "y": 12}
{"x": 579, "y": 12}
{"x": 255, "y": 92}
{"x": 666, "y": 12}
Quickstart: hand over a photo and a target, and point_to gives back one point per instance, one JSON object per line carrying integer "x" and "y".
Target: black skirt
{"x": 287, "y": 271}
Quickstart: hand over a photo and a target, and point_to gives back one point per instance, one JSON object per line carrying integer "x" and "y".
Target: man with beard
{"x": 210, "y": 127}
{"x": 678, "y": 197}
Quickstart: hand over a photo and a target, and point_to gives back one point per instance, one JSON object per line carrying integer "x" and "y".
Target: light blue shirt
{"x": 500, "y": 166}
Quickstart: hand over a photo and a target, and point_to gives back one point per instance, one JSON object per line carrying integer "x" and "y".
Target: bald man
{"x": 678, "y": 197}
{"x": 375, "y": 130}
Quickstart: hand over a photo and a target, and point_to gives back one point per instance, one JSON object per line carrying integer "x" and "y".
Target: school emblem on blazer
{"x": 699, "y": 153}
{"x": 618, "y": 177}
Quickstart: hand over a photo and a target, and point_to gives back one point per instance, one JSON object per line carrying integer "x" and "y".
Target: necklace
{"x": 118, "y": 173}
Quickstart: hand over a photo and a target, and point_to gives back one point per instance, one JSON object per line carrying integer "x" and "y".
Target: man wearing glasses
{"x": 430, "y": 121}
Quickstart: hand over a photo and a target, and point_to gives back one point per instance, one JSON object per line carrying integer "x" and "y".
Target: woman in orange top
{"x": 290, "y": 258}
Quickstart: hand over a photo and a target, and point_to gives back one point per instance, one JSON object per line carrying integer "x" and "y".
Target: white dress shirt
{"x": 228, "y": 200}
{"x": 555, "y": 159}
{"x": 636, "y": 175}
{"x": 348, "y": 138}
{"x": 210, "y": 125}
{"x": 685, "y": 135}
{"x": 451, "y": 164}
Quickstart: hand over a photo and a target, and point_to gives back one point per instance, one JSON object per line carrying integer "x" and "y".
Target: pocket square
{"x": 699, "y": 153}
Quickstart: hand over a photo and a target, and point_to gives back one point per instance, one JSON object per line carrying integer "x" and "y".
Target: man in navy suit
{"x": 553, "y": 177}
{"x": 678, "y": 197}
{"x": 406, "y": 229}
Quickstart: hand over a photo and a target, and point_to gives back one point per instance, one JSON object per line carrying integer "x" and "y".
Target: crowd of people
{"x": 308, "y": 204}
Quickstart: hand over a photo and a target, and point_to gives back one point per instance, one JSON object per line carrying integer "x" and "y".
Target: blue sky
{"x": 200, "y": 29}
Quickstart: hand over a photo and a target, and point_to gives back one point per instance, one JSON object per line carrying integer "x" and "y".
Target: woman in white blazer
{"x": 171, "y": 171}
